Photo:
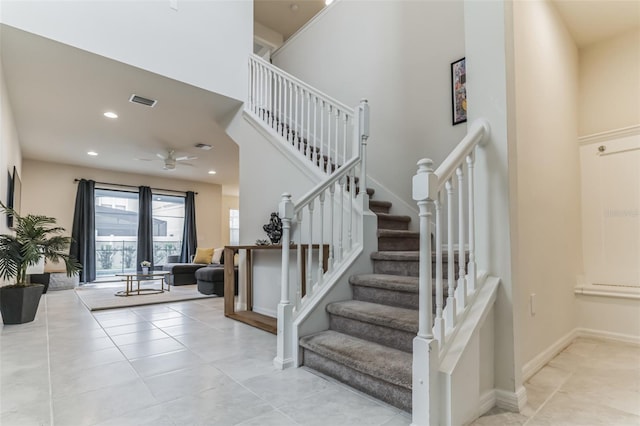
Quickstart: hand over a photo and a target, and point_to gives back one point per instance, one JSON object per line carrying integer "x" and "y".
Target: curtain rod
{"x": 133, "y": 186}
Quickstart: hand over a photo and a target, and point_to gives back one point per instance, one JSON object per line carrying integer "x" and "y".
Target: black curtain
{"x": 83, "y": 232}
{"x": 189, "y": 236}
{"x": 145, "y": 226}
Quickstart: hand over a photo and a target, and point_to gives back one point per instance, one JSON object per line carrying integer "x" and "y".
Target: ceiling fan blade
{"x": 143, "y": 159}
{"x": 186, "y": 164}
{"x": 186, "y": 158}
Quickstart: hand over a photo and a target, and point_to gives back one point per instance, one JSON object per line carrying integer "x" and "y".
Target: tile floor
{"x": 186, "y": 364}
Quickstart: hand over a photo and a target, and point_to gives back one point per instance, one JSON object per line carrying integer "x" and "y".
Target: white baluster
{"x": 462, "y": 282}
{"x": 322, "y": 163}
{"x": 310, "y": 251}
{"x": 451, "y": 294}
{"x": 337, "y": 139}
{"x": 344, "y": 138}
{"x": 314, "y": 153}
{"x": 329, "y": 113}
{"x": 363, "y": 136}
{"x": 321, "y": 248}
{"x": 290, "y": 111}
{"x": 351, "y": 192}
{"x": 299, "y": 276}
{"x": 332, "y": 191}
{"x": 472, "y": 228}
{"x": 300, "y": 135}
{"x": 308, "y": 137}
{"x": 341, "y": 220}
{"x": 294, "y": 127}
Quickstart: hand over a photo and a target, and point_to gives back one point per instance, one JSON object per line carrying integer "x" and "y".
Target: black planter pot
{"x": 19, "y": 304}
{"x": 41, "y": 279}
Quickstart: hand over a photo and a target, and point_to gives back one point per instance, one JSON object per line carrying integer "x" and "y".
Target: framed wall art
{"x": 459, "y": 91}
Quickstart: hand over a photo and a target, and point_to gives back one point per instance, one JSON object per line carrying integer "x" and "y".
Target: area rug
{"x": 96, "y": 299}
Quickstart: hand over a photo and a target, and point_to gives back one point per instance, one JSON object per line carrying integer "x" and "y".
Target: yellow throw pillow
{"x": 203, "y": 255}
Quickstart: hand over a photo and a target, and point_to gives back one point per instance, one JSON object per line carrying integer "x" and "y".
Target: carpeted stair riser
{"x": 379, "y": 206}
{"x": 390, "y": 221}
{"x": 407, "y": 263}
{"x": 398, "y": 240}
{"x": 392, "y": 394}
{"x": 386, "y": 297}
{"x": 401, "y": 340}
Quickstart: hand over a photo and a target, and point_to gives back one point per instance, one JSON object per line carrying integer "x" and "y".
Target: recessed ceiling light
{"x": 212, "y": 172}
{"x": 110, "y": 114}
{"x": 92, "y": 153}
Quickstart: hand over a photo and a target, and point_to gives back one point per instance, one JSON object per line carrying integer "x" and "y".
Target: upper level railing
{"x": 328, "y": 220}
{"x": 451, "y": 188}
{"x": 317, "y": 126}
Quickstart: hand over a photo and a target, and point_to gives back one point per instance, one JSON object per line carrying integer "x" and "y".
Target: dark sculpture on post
{"x": 274, "y": 228}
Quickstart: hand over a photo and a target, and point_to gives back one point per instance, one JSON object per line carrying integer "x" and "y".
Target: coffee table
{"x": 137, "y": 277}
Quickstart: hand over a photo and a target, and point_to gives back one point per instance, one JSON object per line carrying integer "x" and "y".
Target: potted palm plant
{"x": 35, "y": 237}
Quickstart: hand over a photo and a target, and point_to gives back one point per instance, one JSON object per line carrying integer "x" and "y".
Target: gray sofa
{"x": 210, "y": 280}
{"x": 183, "y": 273}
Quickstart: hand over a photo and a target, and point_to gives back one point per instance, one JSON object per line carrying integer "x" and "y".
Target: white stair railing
{"x": 434, "y": 191}
{"x": 320, "y": 128}
{"x": 326, "y": 228}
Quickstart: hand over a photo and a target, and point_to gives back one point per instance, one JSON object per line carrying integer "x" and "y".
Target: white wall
{"x": 397, "y": 54}
{"x": 10, "y": 153}
{"x": 489, "y": 53}
{"x": 49, "y": 189}
{"x": 264, "y": 175}
{"x": 549, "y": 242}
{"x": 203, "y": 43}
{"x": 610, "y": 84}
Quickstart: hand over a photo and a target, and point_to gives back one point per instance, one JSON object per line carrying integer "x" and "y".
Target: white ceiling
{"x": 59, "y": 94}
{"x": 285, "y": 16}
{"x": 591, "y": 21}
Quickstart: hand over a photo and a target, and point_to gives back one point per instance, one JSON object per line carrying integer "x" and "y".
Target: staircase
{"x": 398, "y": 323}
{"x": 370, "y": 341}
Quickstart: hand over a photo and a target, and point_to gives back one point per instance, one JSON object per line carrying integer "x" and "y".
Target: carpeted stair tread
{"x": 394, "y": 217}
{"x": 387, "y": 282}
{"x": 412, "y": 256}
{"x": 374, "y": 313}
{"x": 384, "y": 363}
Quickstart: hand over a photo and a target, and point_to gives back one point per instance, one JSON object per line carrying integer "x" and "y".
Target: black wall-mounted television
{"x": 14, "y": 193}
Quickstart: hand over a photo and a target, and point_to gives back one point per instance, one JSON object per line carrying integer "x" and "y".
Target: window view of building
{"x": 117, "y": 229}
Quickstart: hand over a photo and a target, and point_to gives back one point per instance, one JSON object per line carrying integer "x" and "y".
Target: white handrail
{"x": 434, "y": 192}
{"x": 477, "y": 134}
{"x": 319, "y": 128}
{"x": 326, "y": 248}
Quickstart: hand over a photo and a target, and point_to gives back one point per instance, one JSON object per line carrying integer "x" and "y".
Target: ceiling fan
{"x": 171, "y": 160}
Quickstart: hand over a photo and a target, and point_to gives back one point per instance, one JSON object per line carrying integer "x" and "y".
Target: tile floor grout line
{"x": 547, "y": 399}
{"x": 46, "y": 322}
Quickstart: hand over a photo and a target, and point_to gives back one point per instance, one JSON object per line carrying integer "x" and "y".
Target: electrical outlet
{"x": 532, "y": 304}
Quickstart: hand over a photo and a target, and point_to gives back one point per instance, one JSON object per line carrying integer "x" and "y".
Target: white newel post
{"x": 284, "y": 355}
{"x": 425, "y": 347}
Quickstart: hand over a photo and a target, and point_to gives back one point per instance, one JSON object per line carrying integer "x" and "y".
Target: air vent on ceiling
{"x": 143, "y": 101}
{"x": 203, "y": 146}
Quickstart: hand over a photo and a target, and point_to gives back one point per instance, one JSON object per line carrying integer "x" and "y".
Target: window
{"x": 234, "y": 227}
{"x": 168, "y": 226}
{"x": 116, "y": 231}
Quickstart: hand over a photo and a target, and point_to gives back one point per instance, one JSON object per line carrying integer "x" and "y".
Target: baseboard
{"x": 607, "y": 335}
{"x": 487, "y": 402}
{"x": 511, "y": 401}
{"x": 533, "y": 366}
